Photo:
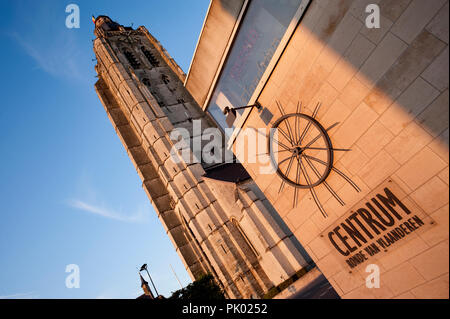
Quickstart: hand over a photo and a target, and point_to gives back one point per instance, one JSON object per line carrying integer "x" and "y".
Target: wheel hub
{"x": 298, "y": 150}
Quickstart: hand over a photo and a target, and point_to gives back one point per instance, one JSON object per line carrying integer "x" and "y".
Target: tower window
{"x": 131, "y": 59}
{"x": 146, "y": 82}
{"x": 150, "y": 57}
{"x": 158, "y": 98}
{"x": 165, "y": 79}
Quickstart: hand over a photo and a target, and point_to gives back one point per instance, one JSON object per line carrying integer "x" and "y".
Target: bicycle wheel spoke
{"x": 305, "y": 131}
{"x": 337, "y": 171}
{"x": 297, "y": 181}
{"x": 286, "y": 174}
{"x": 329, "y": 188}
{"x": 285, "y": 135}
{"x": 316, "y": 110}
{"x": 280, "y": 107}
{"x": 333, "y": 126}
{"x": 282, "y": 145}
{"x": 283, "y": 161}
{"x": 288, "y": 126}
{"x": 260, "y": 154}
{"x": 318, "y": 136}
{"x": 297, "y": 123}
{"x": 324, "y": 149}
{"x": 313, "y": 192}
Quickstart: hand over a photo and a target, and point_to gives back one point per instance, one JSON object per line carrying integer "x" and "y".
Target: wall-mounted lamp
{"x": 231, "y": 112}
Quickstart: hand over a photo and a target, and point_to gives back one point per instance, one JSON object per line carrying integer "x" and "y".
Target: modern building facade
{"x": 383, "y": 95}
{"x": 353, "y": 122}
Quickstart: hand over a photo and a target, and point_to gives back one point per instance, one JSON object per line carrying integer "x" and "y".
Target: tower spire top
{"x": 105, "y": 23}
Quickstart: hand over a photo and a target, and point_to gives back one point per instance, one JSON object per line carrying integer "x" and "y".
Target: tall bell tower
{"x": 215, "y": 215}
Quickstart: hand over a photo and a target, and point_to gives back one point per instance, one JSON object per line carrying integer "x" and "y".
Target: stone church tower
{"x": 217, "y": 218}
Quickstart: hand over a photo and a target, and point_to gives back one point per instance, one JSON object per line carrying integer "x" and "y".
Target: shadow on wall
{"x": 399, "y": 71}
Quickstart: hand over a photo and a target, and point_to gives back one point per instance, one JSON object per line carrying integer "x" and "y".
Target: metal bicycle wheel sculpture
{"x": 301, "y": 151}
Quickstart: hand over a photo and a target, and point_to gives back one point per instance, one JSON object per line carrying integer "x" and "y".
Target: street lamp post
{"x": 144, "y": 267}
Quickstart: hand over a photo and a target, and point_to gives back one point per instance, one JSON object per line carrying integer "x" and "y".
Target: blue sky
{"x": 69, "y": 193}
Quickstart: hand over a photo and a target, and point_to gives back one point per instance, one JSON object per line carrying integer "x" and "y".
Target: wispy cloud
{"x": 140, "y": 215}
{"x": 24, "y": 295}
{"x": 38, "y": 28}
{"x": 59, "y": 59}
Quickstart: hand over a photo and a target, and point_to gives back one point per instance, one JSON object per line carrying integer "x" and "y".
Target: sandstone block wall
{"x": 388, "y": 89}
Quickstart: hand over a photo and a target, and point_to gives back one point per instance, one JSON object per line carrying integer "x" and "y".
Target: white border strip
{"x": 198, "y": 41}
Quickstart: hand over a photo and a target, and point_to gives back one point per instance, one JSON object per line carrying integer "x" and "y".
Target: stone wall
{"x": 387, "y": 89}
